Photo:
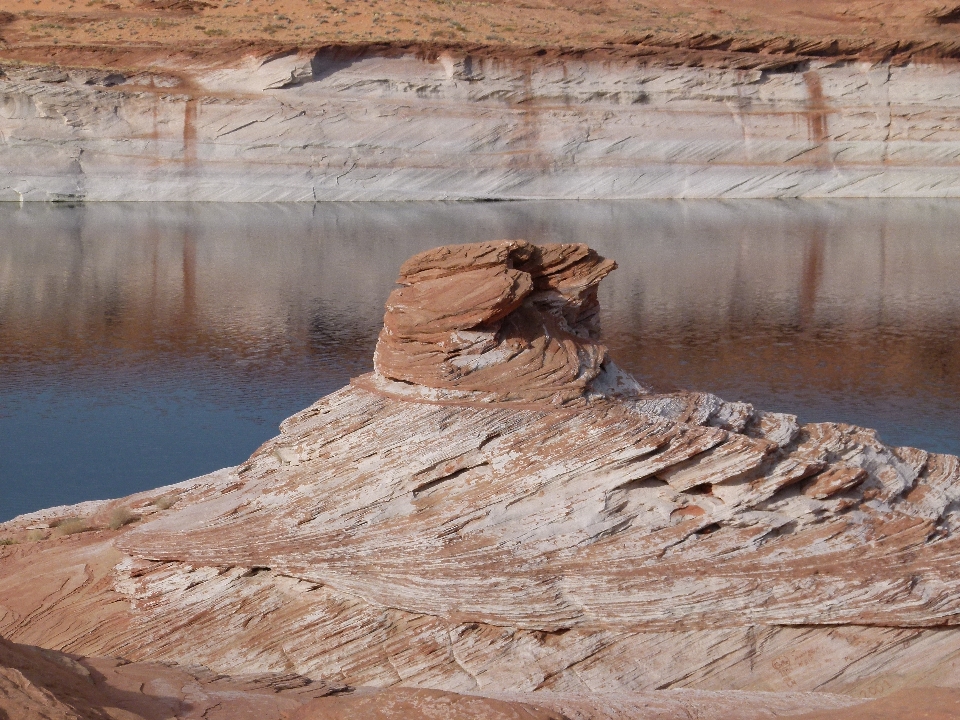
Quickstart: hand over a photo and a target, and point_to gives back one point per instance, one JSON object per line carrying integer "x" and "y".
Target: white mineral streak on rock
{"x": 358, "y": 125}
{"x": 598, "y": 547}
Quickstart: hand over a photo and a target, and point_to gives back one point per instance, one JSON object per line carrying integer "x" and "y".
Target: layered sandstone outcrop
{"x": 41, "y": 684}
{"x": 507, "y": 320}
{"x": 485, "y": 514}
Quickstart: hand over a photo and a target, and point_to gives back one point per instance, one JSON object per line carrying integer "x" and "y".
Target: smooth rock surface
{"x": 39, "y": 684}
{"x": 443, "y": 539}
{"x": 390, "y": 124}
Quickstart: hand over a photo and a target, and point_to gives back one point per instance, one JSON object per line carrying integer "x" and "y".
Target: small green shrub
{"x": 7, "y": 541}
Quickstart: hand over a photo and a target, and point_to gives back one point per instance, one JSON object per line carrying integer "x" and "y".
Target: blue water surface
{"x": 144, "y": 344}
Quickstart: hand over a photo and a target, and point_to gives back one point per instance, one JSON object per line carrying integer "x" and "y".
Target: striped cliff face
{"x": 397, "y": 124}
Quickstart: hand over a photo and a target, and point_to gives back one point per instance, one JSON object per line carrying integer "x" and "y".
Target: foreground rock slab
{"x": 499, "y": 512}
{"x": 39, "y": 684}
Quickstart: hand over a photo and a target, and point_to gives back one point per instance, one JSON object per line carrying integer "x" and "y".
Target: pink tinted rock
{"x": 510, "y": 320}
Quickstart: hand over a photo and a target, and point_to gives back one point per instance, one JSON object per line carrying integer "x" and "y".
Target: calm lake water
{"x": 142, "y": 344}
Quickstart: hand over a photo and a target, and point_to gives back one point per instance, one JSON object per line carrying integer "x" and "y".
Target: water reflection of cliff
{"x": 853, "y": 305}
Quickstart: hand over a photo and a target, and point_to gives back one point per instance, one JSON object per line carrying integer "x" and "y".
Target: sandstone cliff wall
{"x": 384, "y": 125}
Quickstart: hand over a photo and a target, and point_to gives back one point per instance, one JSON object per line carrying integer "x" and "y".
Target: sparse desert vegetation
{"x": 121, "y": 516}
{"x": 72, "y": 526}
{"x": 165, "y": 502}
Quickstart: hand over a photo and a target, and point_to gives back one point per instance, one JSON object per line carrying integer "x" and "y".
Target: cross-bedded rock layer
{"x": 490, "y": 512}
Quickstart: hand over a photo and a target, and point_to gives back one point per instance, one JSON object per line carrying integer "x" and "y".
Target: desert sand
{"x": 51, "y": 29}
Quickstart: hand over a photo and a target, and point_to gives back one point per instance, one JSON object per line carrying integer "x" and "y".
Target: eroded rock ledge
{"x": 486, "y": 514}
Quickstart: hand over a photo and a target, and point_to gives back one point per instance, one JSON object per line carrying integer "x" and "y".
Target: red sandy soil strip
{"x": 738, "y": 33}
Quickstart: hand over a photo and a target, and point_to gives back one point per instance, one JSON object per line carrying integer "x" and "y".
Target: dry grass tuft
{"x": 36, "y": 536}
{"x": 72, "y": 526}
{"x": 121, "y": 516}
{"x": 7, "y": 541}
{"x": 165, "y": 502}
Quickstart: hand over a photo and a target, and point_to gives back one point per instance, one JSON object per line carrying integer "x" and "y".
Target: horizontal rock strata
{"x": 389, "y": 124}
{"x": 561, "y": 540}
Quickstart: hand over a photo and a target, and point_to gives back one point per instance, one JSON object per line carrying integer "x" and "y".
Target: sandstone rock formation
{"x": 488, "y": 513}
{"x": 40, "y": 684}
{"x": 505, "y": 321}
